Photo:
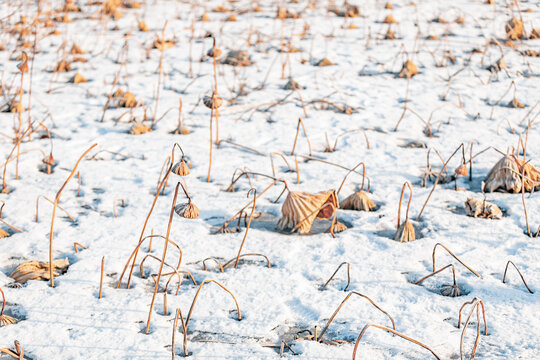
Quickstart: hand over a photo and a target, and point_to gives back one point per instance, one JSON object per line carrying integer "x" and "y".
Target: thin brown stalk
{"x": 297, "y": 170}
{"x": 282, "y": 348}
{"x": 474, "y": 301}
{"x": 56, "y": 200}
{"x": 334, "y": 274}
{"x": 393, "y": 332}
{"x": 454, "y": 256}
{"x": 438, "y": 271}
{"x": 160, "y": 70}
{"x": 248, "y": 225}
{"x": 179, "y": 315}
{"x": 10, "y": 226}
{"x": 52, "y": 202}
{"x": 123, "y": 204}
{"x": 101, "y": 278}
{"x": 233, "y": 260}
{"x": 519, "y": 272}
{"x": 408, "y": 204}
{"x": 76, "y": 246}
{"x": 215, "y": 260}
{"x": 300, "y": 123}
{"x": 197, "y": 295}
{"x": 334, "y": 218}
{"x": 163, "y": 258}
{"x": 477, "y": 340}
{"x": 343, "y": 303}
{"x": 352, "y": 170}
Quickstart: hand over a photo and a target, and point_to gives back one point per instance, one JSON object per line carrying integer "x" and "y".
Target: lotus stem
{"x": 343, "y": 303}
{"x": 476, "y": 341}
{"x": 52, "y": 202}
{"x": 476, "y": 302}
{"x": 350, "y": 171}
{"x": 248, "y": 225}
{"x": 56, "y": 200}
{"x": 454, "y": 256}
{"x": 335, "y": 272}
{"x": 123, "y": 204}
{"x": 282, "y": 348}
{"x": 393, "y": 332}
{"x": 175, "y": 326}
{"x": 76, "y": 246}
{"x": 217, "y": 262}
{"x": 197, "y": 295}
{"x": 438, "y": 271}
{"x": 408, "y": 204}
{"x": 228, "y": 263}
{"x": 300, "y": 122}
{"x": 101, "y": 278}
{"x": 519, "y": 272}
{"x": 163, "y": 257}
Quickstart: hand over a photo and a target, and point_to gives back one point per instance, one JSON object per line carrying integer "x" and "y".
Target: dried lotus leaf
{"x": 405, "y": 233}
{"x": 484, "y": 209}
{"x": 506, "y": 176}
{"x": 38, "y": 270}
{"x": 358, "y": 201}
{"x": 7, "y": 320}
{"x": 188, "y": 211}
{"x": 300, "y": 209}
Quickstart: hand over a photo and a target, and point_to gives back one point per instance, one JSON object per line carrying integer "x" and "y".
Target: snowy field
{"x": 472, "y": 80}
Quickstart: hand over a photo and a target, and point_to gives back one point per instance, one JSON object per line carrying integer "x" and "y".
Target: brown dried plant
{"x": 454, "y": 256}
{"x": 358, "y": 200}
{"x": 451, "y": 290}
{"x": 405, "y": 230}
{"x": 18, "y": 353}
{"x": 506, "y": 176}
{"x": 482, "y": 208}
{"x": 38, "y": 270}
{"x": 334, "y": 274}
{"x": 5, "y": 319}
{"x": 519, "y": 272}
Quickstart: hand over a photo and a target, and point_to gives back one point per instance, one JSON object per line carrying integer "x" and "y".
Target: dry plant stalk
{"x": 300, "y": 122}
{"x": 76, "y": 246}
{"x": 165, "y": 246}
{"x": 248, "y": 225}
{"x": 358, "y": 200}
{"x": 454, "y": 256}
{"x": 476, "y": 307}
{"x": 101, "y": 278}
{"x": 300, "y": 209}
{"x": 52, "y": 202}
{"x": 5, "y": 319}
{"x": 473, "y": 301}
{"x": 405, "y": 231}
{"x": 482, "y": 208}
{"x": 343, "y": 303}
{"x": 335, "y": 272}
{"x": 393, "y": 332}
{"x": 56, "y": 200}
{"x": 451, "y": 290}
{"x": 38, "y": 270}
{"x": 519, "y": 272}
{"x": 184, "y": 330}
{"x": 282, "y": 348}
{"x": 18, "y": 353}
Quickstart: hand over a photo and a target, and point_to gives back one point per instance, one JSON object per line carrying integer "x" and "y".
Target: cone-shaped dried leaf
{"x": 389, "y": 19}
{"x": 324, "y": 62}
{"x": 506, "y": 176}
{"x": 7, "y": 320}
{"x": 292, "y": 85}
{"x": 462, "y": 170}
{"x": 298, "y": 206}
{"x": 181, "y": 168}
{"x": 214, "y": 52}
{"x": 484, "y": 209}
{"x": 450, "y": 290}
{"x": 405, "y": 232}
{"x": 212, "y": 102}
{"x": 78, "y": 78}
{"x": 390, "y": 35}
{"x": 515, "y": 103}
{"x": 358, "y": 201}
{"x": 37, "y": 270}
{"x": 142, "y": 26}
{"x": 188, "y": 210}
{"x": 3, "y": 233}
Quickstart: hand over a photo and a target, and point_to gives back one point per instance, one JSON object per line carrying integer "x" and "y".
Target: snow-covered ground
{"x": 462, "y": 101}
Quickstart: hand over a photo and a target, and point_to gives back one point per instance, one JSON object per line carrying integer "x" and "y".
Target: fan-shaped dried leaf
{"x": 300, "y": 208}
{"x": 389, "y": 19}
{"x": 358, "y": 201}
{"x": 237, "y": 58}
{"x": 408, "y": 70}
{"x": 139, "y": 128}
{"x": 181, "y": 168}
{"x": 78, "y": 78}
{"x": 405, "y": 232}
{"x": 337, "y": 227}
{"x": 7, "y": 320}
{"x": 451, "y": 290}
{"x": 37, "y": 270}
{"x": 324, "y": 62}
{"x": 506, "y": 176}
{"x": 514, "y": 29}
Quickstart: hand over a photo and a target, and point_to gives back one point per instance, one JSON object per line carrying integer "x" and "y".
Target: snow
{"x": 69, "y": 321}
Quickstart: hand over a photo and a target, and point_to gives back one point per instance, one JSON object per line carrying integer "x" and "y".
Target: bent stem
{"x": 408, "y": 204}
{"x": 197, "y": 296}
{"x": 334, "y": 218}
{"x": 477, "y": 340}
{"x": 163, "y": 257}
{"x": 454, "y": 256}
{"x": 228, "y": 263}
{"x": 52, "y": 202}
{"x": 179, "y": 315}
{"x": 300, "y": 122}
{"x": 335, "y": 272}
{"x": 350, "y": 171}
{"x": 55, "y": 205}
{"x": 248, "y": 225}
{"x": 343, "y": 303}
{"x": 438, "y": 271}
{"x": 474, "y": 301}
{"x": 393, "y": 332}
{"x": 519, "y": 272}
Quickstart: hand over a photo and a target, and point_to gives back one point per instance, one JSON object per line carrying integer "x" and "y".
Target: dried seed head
{"x": 506, "y": 176}
{"x": 408, "y": 70}
{"x": 405, "y": 232}
{"x": 37, "y": 270}
{"x": 450, "y": 290}
{"x": 389, "y": 19}
{"x": 181, "y": 168}
{"x": 7, "y": 320}
{"x": 462, "y": 170}
{"x": 213, "y": 102}
{"x": 77, "y": 79}
{"x": 214, "y": 52}
{"x": 188, "y": 210}
{"x": 514, "y": 29}
{"x": 301, "y": 208}
{"x": 483, "y": 209}
{"x": 358, "y": 201}
{"x": 49, "y": 160}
